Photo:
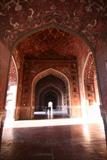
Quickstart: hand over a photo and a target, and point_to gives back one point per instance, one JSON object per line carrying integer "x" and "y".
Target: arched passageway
{"x": 54, "y": 89}
{"x": 50, "y": 96}
{"x": 50, "y": 93}
{"x": 57, "y": 35}
{"x": 60, "y": 57}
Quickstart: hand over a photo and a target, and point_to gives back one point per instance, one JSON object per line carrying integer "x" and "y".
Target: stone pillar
{"x": 104, "y": 117}
{"x": 4, "y": 69}
{"x": 101, "y": 60}
{"x": 2, "y": 118}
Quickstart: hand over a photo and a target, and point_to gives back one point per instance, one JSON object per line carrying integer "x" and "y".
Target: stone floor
{"x": 61, "y": 142}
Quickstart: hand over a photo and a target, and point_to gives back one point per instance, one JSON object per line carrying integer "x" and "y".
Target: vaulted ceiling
{"x": 49, "y": 20}
{"x": 52, "y": 41}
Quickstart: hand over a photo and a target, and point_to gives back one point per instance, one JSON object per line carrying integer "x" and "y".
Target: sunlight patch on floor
{"x": 48, "y": 122}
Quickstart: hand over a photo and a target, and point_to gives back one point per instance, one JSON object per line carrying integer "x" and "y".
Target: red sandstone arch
{"x": 44, "y": 74}
{"x": 94, "y": 29}
{"x": 77, "y": 39}
{"x": 49, "y": 18}
{"x": 49, "y": 26}
{"x": 56, "y": 89}
{"x": 80, "y": 39}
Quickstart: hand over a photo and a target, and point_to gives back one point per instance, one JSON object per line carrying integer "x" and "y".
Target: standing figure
{"x": 49, "y": 110}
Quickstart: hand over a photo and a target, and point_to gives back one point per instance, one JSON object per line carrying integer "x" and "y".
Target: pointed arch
{"x": 44, "y": 74}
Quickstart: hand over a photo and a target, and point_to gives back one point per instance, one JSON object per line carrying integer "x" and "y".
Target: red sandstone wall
{"x": 32, "y": 68}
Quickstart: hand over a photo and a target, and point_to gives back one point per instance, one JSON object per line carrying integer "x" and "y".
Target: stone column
{"x": 4, "y": 69}
{"x": 19, "y": 92}
{"x": 2, "y": 118}
{"x": 104, "y": 117}
{"x": 101, "y": 67}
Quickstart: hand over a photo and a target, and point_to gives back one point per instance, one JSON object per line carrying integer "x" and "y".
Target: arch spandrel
{"x": 30, "y": 15}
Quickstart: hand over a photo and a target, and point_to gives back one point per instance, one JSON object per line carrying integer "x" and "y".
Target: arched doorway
{"x": 47, "y": 94}
{"x": 51, "y": 85}
{"x": 62, "y": 54}
{"x": 51, "y": 96}
{"x": 66, "y": 58}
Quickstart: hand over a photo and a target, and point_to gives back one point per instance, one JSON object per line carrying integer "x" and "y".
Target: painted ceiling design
{"x": 86, "y": 17}
{"x": 52, "y": 43}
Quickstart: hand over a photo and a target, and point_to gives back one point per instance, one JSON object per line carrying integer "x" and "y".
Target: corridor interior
{"x": 53, "y": 79}
{"x": 52, "y": 104}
